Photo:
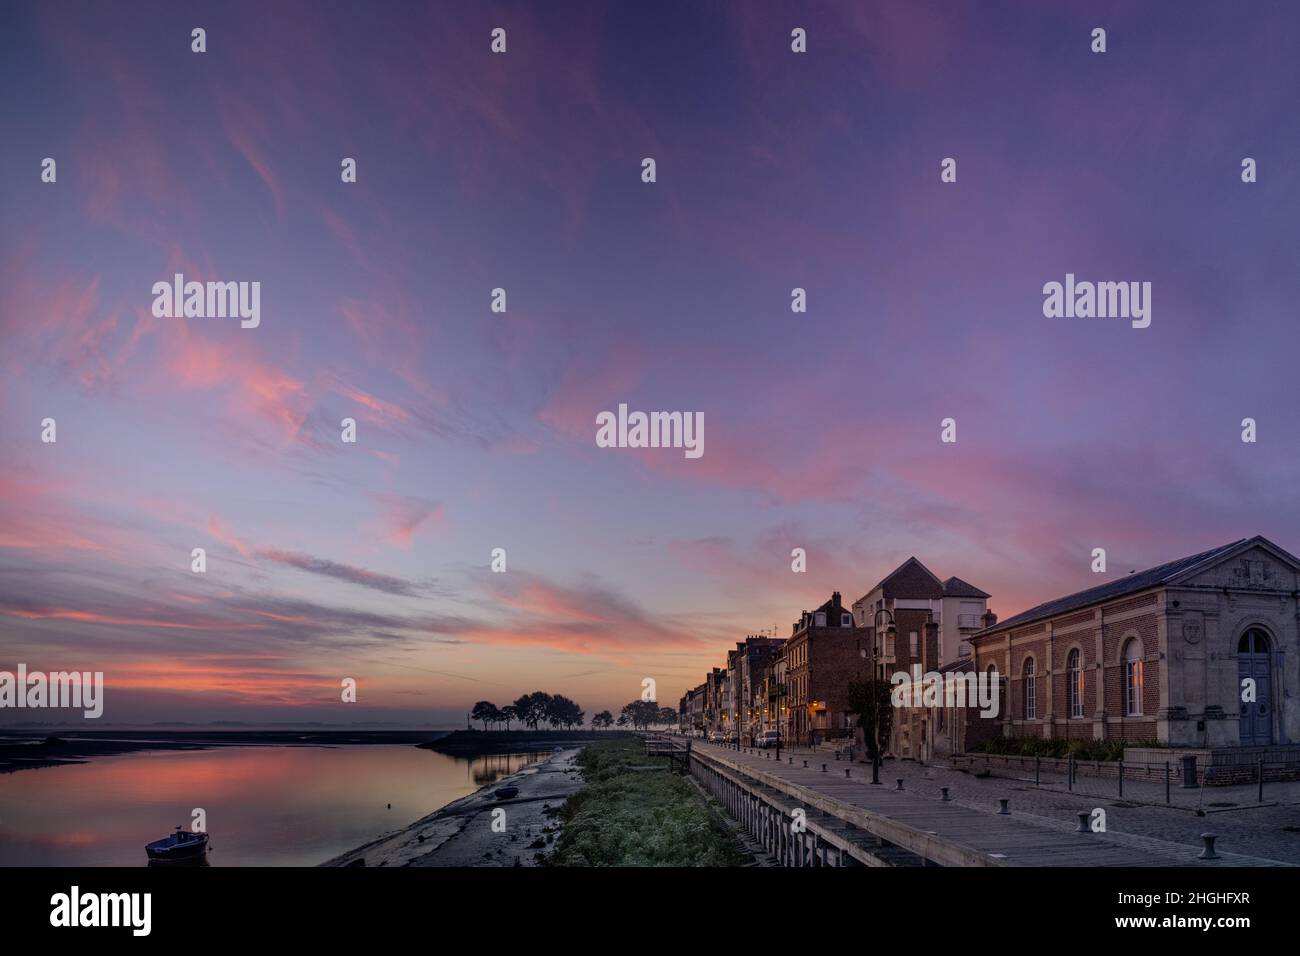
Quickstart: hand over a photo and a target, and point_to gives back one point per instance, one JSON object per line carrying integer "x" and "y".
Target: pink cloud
{"x": 219, "y": 530}
{"x": 402, "y": 516}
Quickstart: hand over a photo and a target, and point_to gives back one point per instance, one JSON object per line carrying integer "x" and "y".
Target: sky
{"x": 476, "y": 429}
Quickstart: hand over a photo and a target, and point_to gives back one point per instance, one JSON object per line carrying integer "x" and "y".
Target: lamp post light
{"x": 780, "y": 693}
{"x": 889, "y": 631}
{"x": 739, "y": 718}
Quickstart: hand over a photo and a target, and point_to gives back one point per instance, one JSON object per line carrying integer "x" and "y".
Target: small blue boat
{"x": 181, "y": 847}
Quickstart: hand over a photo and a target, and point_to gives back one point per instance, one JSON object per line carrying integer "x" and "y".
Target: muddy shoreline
{"x": 471, "y": 832}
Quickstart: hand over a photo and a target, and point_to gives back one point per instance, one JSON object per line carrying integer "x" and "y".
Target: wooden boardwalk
{"x": 947, "y": 833}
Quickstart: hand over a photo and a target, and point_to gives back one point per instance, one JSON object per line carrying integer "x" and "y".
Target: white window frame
{"x": 1074, "y": 683}
{"x": 1133, "y": 680}
{"x": 1030, "y": 690}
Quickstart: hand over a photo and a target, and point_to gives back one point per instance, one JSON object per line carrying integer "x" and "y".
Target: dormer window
{"x": 819, "y": 619}
{"x": 846, "y": 620}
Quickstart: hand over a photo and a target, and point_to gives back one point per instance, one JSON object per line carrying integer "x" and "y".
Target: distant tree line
{"x": 641, "y": 714}
{"x": 531, "y": 710}
{"x": 538, "y": 708}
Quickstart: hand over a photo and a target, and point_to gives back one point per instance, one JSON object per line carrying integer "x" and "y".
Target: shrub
{"x": 1060, "y": 748}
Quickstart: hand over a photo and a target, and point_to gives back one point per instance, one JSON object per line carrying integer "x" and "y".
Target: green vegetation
{"x": 627, "y": 817}
{"x": 1060, "y": 748}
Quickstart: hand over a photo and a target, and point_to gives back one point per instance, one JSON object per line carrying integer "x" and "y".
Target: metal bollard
{"x": 1002, "y": 806}
{"x": 847, "y": 771}
{"x": 1083, "y": 822}
{"x": 944, "y": 791}
{"x": 1168, "y": 799}
{"x": 1121, "y": 778}
{"x": 823, "y": 768}
{"x": 805, "y": 763}
{"x": 1261, "y": 779}
{"x": 1208, "y": 853}
{"x": 900, "y": 784}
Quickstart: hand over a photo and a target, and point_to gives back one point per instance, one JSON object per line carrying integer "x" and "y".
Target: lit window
{"x": 1133, "y": 678}
{"x": 1074, "y": 682}
{"x": 1031, "y": 690}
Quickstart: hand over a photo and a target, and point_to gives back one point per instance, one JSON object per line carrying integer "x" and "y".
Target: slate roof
{"x": 1129, "y": 584}
{"x": 956, "y": 587}
{"x": 903, "y": 567}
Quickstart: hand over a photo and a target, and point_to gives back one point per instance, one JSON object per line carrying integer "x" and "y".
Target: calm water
{"x": 286, "y": 806}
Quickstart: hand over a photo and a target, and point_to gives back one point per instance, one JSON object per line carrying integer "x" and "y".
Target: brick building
{"x": 716, "y": 700}
{"x": 915, "y": 652}
{"x": 695, "y": 711}
{"x": 821, "y": 658}
{"x": 772, "y": 695}
{"x": 748, "y": 666}
{"x": 1161, "y": 654}
{"x": 956, "y": 607}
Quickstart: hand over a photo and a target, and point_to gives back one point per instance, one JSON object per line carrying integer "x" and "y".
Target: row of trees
{"x": 642, "y": 713}
{"x": 533, "y": 710}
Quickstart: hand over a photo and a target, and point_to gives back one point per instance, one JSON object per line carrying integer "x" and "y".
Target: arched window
{"x": 1133, "y": 678}
{"x": 1253, "y": 641}
{"x": 1031, "y": 690}
{"x": 1074, "y": 682}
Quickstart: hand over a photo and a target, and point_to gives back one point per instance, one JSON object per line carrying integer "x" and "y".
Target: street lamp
{"x": 890, "y": 631}
{"x": 780, "y": 693}
{"x": 735, "y": 705}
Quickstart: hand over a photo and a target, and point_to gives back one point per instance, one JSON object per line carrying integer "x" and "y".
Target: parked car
{"x": 768, "y": 738}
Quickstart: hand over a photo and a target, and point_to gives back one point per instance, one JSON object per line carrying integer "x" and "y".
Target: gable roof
{"x": 909, "y": 563}
{"x": 1131, "y": 584}
{"x": 956, "y": 587}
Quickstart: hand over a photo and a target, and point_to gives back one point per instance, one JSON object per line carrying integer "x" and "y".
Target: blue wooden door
{"x": 1257, "y": 715}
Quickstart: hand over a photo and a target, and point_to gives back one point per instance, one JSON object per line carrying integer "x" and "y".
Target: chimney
{"x": 989, "y": 619}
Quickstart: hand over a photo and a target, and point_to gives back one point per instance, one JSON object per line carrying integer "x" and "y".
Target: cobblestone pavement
{"x": 1270, "y": 831}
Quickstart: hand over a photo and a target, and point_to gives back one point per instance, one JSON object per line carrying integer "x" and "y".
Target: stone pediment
{"x": 1256, "y": 567}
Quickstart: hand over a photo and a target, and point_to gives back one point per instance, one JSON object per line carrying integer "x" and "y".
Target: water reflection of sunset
{"x": 264, "y": 805}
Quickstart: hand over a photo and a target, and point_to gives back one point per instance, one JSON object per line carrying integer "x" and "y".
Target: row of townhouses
{"x": 797, "y": 686}
{"x": 1201, "y": 653}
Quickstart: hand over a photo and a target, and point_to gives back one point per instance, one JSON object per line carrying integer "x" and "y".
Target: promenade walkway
{"x": 961, "y": 831}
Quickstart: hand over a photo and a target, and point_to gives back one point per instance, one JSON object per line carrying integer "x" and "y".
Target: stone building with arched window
{"x": 1202, "y": 652}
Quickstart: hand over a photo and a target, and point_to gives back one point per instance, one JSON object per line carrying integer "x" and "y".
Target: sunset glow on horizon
{"x": 477, "y": 429}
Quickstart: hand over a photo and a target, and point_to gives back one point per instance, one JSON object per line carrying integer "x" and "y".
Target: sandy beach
{"x": 462, "y": 833}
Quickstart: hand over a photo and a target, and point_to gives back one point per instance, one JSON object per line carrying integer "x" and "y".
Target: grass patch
{"x": 625, "y": 817}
